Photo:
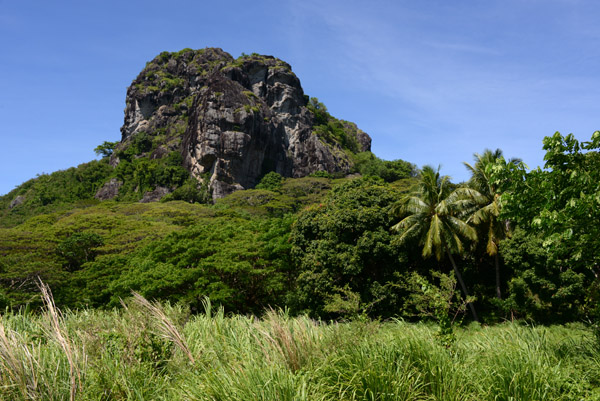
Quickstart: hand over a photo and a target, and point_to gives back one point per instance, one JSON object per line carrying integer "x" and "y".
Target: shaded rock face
{"x": 154, "y": 196}
{"x": 233, "y": 120}
{"x": 109, "y": 190}
{"x": 17, "y": 201}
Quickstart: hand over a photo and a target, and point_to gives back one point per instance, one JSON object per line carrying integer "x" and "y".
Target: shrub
{"x": 343, "y": 245}
{"x": 271, "y": 181}
{"x": 78, "y": 249}
{"x": 106, "y": 149}
{"x": 366, "y": 163}
{"x": 189, "y": 192}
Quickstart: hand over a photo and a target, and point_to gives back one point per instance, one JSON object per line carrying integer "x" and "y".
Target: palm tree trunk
{"x": 462, "y": 284}
{"x": 497, "y": 262}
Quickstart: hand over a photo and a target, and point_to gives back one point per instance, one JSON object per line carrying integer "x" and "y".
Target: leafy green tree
{"x": 366, "y": 163}
{"x": 169, "y": 171}
{"x": 540, "y": 289}
{"x": 78, "y": 249}
{"x": 51, "y": 192}
{"x": 343, "y": 246}
{"x": 441, "y": 302}
{"x": 190, "y": 192}
{"x": 321, "y": 174}
{"x": 330, "y": 129}
{"x": 431, "y": 214}
{"x": 140, "y": 143}
{"x": 572, "y": 195}
{"x": 293, "y": 195}
{"x": 319, "y": 111}
{"x": 105, "y": 149}
{"x": 559, "y": 207}
{"x": 236, "y": 262}
{"x": 144, "y": 173}
{"x": 271, "y": 181}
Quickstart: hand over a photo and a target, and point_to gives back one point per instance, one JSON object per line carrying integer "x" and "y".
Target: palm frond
{"x": 461, "y": 228}
{"x": 406, "y": 223}
{"x": 413, "y": 205}
{"x": 442, "y": 208}
{"x": 408, "y": 229}
{"x": 409, "y": 204}
{"x": 433, "y": 239}
{"x": 467, "y": 193}
{"x": 487, "y": 214}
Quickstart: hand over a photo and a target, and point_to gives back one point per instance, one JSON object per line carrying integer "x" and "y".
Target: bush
{"x": 78, "y": 249}
{"x": 319, "y": 111}
{"x": 330, "y": 129}
{"x": 106, "y": 149}
{"x": 366, "y": 163}
{"x": 231, "y": 260}
{"x": 189, "y": 192}
{"x": 271, "y": 181}
{"x": 344, "y": 246}
{"x": 321, "y": 174}
{"x": 538, "y": 289}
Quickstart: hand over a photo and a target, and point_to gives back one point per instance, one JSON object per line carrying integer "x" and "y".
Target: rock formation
{"x": 16, "y": 202}
{"x": 109, "y": 190}
{"x": 154, "y": 196}
{"x": 233, "y": 120}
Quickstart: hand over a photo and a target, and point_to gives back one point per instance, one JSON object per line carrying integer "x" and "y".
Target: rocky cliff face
{"x": 233, "y": 120}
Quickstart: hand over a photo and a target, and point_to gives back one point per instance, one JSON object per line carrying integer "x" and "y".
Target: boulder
{"x": 155, "y": 195}
{"x": 17, "y": 201}
{"x": 109, "y": 190}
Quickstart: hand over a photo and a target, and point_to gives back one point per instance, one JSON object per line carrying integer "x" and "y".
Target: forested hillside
{"x": 92, "y": 252}
{"x": 290, "y": 209}
{"x": 394, "y": 242}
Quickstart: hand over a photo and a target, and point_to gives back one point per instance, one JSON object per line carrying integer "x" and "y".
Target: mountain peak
{"x": 233, "y": 120}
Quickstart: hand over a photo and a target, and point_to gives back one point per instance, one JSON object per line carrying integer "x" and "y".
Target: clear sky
{"x": 431, "y": 81}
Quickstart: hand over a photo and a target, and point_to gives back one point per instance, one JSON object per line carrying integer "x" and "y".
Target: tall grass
{"x": 55, "y": 331}
{"x": 17, "y": 364}
{"x": 166, "y": 327}
{"x": 149, "y": 351}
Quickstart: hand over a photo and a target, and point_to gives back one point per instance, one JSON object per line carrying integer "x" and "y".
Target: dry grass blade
{"x": 61, "y": 337}
{"x": 293, "y": 345}
{"x": 165, "y": 325}
{"x": 18, "y": 363}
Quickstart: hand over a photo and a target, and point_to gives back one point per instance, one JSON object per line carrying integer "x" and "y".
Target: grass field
{"x": 148, "y": 351}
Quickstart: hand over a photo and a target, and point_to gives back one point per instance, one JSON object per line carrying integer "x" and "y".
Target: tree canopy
{"x": 432, "y": 214}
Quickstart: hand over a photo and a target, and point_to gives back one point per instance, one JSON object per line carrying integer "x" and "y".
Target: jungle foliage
{"x": 554, "y": 254}
{"x": 332, "y": 130}
{"x": 76, "y": 186}
{"x": 516, "y": 243}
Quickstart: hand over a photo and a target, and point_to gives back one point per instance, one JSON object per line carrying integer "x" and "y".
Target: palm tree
{"x": 431, "y": 215}
{"x": 486, "y": 209}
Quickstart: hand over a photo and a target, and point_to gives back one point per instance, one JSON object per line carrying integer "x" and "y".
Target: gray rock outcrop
{"x": 109, "y": 190}
{"x": 233, "y": 120}
{"x": 17, "y": 201}
{"x": 155, "y": 195}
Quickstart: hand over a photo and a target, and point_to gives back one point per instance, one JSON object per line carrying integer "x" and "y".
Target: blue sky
{"x": 432, "y": 82}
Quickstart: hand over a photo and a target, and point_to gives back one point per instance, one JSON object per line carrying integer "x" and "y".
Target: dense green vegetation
{"x": 389, "y": 283}
{"x": 366, "y": 163}
{"x": 553, "y": 255}
{"x": 393, "y": 243}
{"x": 76, "y": 186}
{"x": 516, "y": 243}
{"x": 342, "y": 247}
{"x": 330, "y": 129}
{"x": 149, "y": 351}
